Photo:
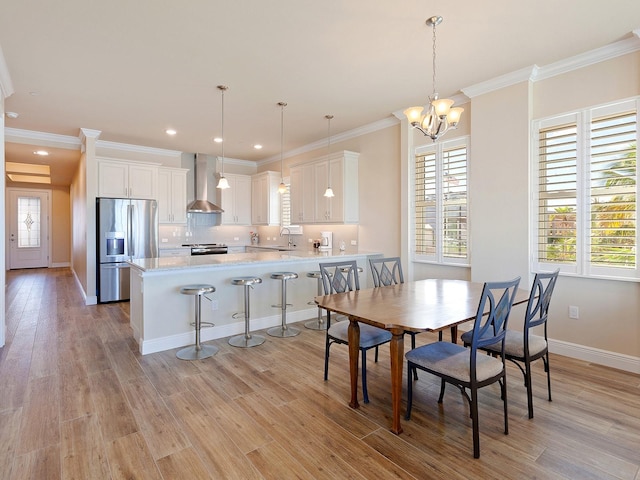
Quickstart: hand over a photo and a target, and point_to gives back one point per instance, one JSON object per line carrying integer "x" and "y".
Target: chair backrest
{"x": 491, "y": 318}
{"x": 339, "y": 277}
{"x": 386, "y": 271}
{"x": 539, "y": 300}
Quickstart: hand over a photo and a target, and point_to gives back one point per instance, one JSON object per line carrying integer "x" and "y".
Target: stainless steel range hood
{"x": 201, "y": 204}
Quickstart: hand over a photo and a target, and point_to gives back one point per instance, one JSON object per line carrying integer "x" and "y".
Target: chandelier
{"x": 223, "y": 183}
{"x": 440, "y": 117}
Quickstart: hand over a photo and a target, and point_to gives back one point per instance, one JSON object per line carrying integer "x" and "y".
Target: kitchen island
{"x": 160, "y": 315}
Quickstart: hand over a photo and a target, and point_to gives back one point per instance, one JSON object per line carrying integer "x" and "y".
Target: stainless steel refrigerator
{"x": 126, "y": 229}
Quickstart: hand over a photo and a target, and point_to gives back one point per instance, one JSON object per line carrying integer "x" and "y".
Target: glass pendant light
{"x": 282, "y": 188}
{"x": 223, "y": 182}
{"x": 329, "y": 191}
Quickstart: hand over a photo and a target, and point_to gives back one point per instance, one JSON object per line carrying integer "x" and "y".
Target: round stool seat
{"x": 346, "y": 269}
{"x": 284, "y": 275}
{"x": 197, "y": 351}
{"x": 246, "y": 280}
{"x": 200, "y": 289}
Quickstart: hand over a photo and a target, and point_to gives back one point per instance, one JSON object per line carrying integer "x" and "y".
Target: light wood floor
{"x": 78, "y": 401}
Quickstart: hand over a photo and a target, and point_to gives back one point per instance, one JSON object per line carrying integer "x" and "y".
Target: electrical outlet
{"x": 235, "y": 239}
{"x": 165, "y": 240}
{"x": 214, "y": 304}
{"x": 573, "y": 312}
{"x": 354, "y": 242}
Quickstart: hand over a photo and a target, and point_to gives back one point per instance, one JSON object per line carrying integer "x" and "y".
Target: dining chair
{"x": 340, "y": 277}
{"x": 388, "y": 271}
{"x": 525, "y": 347}
{"x": 463, "y": 367}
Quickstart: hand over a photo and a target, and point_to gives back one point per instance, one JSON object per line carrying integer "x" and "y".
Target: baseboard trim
{"x": 221, "y": 331}
{"x": 606, "y": 358}
{"x": 620, "y": 361}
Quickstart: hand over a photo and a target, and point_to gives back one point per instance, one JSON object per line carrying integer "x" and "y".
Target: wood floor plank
{"x": 40, "y": 426}
{"x": 129, "y": 459}
{"x": 83, "y": 451}
{"x": 183, "y": 464}
{"x": 75, "y": 392}
{"x": 160, "y": 429}
{"x": 273, "y": 461}
{"x": 116, "y": 419}
{"x": 9, "y": 436}
{"x": 43, "y": 463}
{"x": 221, "y": 457}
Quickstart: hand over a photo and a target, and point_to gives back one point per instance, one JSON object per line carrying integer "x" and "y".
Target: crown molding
{"x": 617, "y": 49}
{"x": 125, "y": 147}
{"x": 6, "y": 85}
{"x": 535, "y": 73}
{"x": 236, "y": 161}
{"x": 503, "y": 81}
{"x": 42, "y": 139}
{"x": 349, "y": 134}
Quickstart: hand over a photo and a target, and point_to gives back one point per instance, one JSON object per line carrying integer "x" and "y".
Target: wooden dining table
{"x": 425, "y": 305}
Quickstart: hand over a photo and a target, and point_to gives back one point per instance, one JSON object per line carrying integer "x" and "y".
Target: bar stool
{"x": 197, "y": 351}
{"x": 318, "y": 324}
{"x": 246, "y": 340}
{"x": 283, "y": 330}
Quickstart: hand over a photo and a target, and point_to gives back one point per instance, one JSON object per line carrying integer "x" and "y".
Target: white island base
{"x": 160, "y": 315}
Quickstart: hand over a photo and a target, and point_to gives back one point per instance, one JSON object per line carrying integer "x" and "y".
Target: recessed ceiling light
{"x": 28, "y": 178}
{"x": 12, "y": 114}
{"x": 170, "y": 131}
{"x": 34, "y": 93}
{"x": 217, "y": 140}
{"x": 42, "y": 153}
{"x": 257, "y": 146}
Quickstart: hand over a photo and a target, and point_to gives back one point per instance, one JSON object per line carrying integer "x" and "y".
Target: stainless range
{"x": 207, "y": 248}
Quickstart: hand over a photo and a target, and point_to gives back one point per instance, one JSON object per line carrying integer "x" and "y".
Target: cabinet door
{"x": 336, "y": 203}
{"x": 259, "y": 207}
{"x": 179, "y": 197}
{"x": 227, "y": 203}
{"x": 302, "y": 194}
{"x": 143, "y": 181}
{"x": 243, "y": 200}
{"x": 322, "y": 203}
{"x": 164, "y": 196}
{"x": 113, "y": 179}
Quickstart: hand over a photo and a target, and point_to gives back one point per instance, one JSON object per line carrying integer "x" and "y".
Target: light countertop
{"x": 231, "y": 259}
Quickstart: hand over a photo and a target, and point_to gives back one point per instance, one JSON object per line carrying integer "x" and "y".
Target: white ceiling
{"x": 131, "y": 69}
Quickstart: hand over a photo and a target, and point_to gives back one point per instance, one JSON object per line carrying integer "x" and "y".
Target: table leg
{"x": 354, "y": 354}
{"x": 397, "y": 358}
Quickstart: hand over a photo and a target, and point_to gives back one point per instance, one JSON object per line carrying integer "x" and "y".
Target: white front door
{"x": 28, "y": 228}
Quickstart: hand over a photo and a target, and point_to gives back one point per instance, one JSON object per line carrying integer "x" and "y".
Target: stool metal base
{"x": 283, "y": 332}
{"x": 244, "y": 341}
{"x": 193, "y": 353}
{"x": 317, "y": 324}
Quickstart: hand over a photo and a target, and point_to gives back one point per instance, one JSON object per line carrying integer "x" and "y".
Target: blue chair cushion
{"x": 370, "y": 336}
{"x": 452, "y": 360}
{"x": 514, "y": 344}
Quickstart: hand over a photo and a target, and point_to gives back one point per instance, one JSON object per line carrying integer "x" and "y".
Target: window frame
{"x": 583, "y": 265}
{"x": 439, "y": 256}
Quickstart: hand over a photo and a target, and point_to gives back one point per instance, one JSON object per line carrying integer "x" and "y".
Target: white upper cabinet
{"x": 236, "y": 200}
{"x": 303, "y": 193}
{"x": 127, "y": 179}
{"x": 172, "y": 195}
{"x": 265, "y": 199}
{"x": 312, "y": 179}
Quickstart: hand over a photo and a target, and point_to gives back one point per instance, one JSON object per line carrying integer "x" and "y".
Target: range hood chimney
{"x": 201, "y": 204}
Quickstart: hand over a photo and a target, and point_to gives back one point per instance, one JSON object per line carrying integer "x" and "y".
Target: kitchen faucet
{"x": 289, "y": 243}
